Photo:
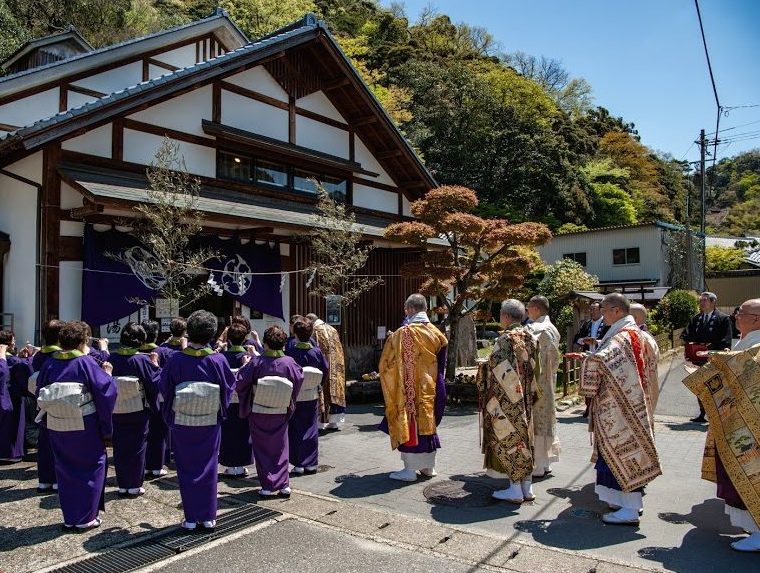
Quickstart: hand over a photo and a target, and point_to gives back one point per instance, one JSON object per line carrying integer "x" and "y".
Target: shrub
{"x": 675, "y": 309}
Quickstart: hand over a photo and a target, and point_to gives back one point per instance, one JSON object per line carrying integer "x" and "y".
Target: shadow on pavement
{"x": 687, "y": 427}
{"x": 579, "y": 526}
{"x": 352, "y": 486}
{"x": 712, "y": 535}
{"x": 12, "y": 538}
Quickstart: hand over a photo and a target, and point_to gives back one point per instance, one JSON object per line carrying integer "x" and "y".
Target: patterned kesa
{"x": 329, "y": 342}
{"x": 729, "y": 388}
{"x": 508, "y": 388}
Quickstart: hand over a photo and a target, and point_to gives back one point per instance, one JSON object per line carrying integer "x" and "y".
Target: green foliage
{"x": 612, "y": 205}
{"x": 570, "y": 228}
{"x": 735, "y": 203}
{"x": 723, "y": 259}
{"x": 564, "y": 277}
{"x": 564, "y": 320}
{"x": 260, "y": 17}
{"x": 675, "y": 309}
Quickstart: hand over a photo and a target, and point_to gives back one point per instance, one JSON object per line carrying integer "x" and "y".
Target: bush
{"x": 675, "y": 310}
{"x": 562, "y": 278}
{"x": 564, "y": 319}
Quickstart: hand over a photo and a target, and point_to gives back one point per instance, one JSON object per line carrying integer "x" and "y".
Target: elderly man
{"x": 725, "y": 387}
{"x": 711, "y": 329}
{"x": 333, "y": 408}
{"x": 412, "y": 370}
{"x": 592, "y": 329}
{"x": 546, "y": 446}
{"x": 509, "y": 390}
{"x": 639, "y": 314}
{"x": 620, "y": 377}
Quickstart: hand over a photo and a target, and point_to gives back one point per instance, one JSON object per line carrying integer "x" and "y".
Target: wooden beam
{"x": 322, "y": 118}
{"x": 245, "y": 92}
{"x": 117, "y": 140}
{"x": 292, "y": 119}
{"x": 8, "y": 127}
{"x": 71, "y": 249}
{"x": 167, "y": 132}
{"x": 164, "y": 65}
{"x": 335, "y": 84}
{"x": 85, "y": 91}
{"x": 63, "y": 98}
{"x": 145, "y": 70}
{"x": 216, "y": 102}
{"x": 388, "y": 154}
{"x": 365, "y": 120}
{"x": 89, "y": 208}
{"x": 50, "y": 228}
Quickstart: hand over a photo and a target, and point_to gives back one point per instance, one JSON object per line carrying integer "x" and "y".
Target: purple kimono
{"x": 269, "y": 432}
{"x": 303, "y": 428}
{"x": 158, "y": 448}
{"x": 12, "y": 414}
{"x": 236, "y": 450}
{"x": 196, "y": 448}
{"x": 45, "y": 463}
{"x": 80, "y": 456}
{"x": 130, "y": 431}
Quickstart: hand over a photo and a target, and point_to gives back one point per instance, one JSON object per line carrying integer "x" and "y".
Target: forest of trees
{"x": 516, "y": 128}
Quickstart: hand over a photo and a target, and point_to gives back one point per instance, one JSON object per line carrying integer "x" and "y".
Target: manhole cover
{"x": 459, "y": 493}
{"x": 584, "y": 514}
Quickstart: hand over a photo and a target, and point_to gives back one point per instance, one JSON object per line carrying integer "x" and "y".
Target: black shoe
{"x": 699, "y": 419}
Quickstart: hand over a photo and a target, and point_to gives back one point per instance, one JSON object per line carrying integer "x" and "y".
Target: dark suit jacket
{"x": 716, "y": 333}
{"x": 585, "y": 330}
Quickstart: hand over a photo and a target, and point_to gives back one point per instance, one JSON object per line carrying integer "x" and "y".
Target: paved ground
{"x": 352, "y": 509}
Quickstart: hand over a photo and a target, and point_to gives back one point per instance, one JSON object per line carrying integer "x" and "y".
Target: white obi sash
{"x": 65, "y": 404}
{"x": 312, "y": 378}
{"x": 272, "y": 395}
{"x": 196, "y": 404}
{"x": 234, "y": 398}
{"x": 130, "y": 395}
{"x": 31, "y": 384}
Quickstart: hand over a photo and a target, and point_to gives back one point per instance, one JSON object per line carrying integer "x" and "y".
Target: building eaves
{"x": 660, "y": 224}
{"x": 71, "y": 34}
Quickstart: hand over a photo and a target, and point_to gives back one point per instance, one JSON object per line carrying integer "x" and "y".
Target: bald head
{"x": 748, "y": 317}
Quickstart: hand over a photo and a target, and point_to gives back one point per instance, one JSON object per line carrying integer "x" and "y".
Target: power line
{"x": 715, "y": 93}
{"x": 734, "y": 127}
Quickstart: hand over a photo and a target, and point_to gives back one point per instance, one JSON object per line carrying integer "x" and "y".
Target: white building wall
{"x": 70, "y": 290}
{"x": 183, "y": 113}
{"x": 319, "y": 103}
{"x": 322, "y": 137}
{"x": 259, "y": 80}
{"x": 141, "y": 148}
{"x": 27, "y": 110}
{"x": 406, "y": 207}
{"x": 113, "y": 80}
{"x": 74, "y": 99}
{"x": 378, "y": 199}
{"x": 368, "y": 162}
{"x": 18, "y": 218}
{"x": 72, "y": 229}
{"x": 96, "y": 142}
{"x": 251, "y": 115}
{"x": 599, "y": 245}
{"x": 70, "y": 197}
{"x": 180, "y": 57}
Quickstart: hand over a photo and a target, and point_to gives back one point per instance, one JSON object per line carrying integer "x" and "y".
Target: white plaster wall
{"x": 18, "y": 218}
{"x": 406, "y": 206}
{"x": 322, "y": 137}
{"x": 259, "y": 80}
{"x": 180, "y": 57}
{"x": 74, "y": 100}
{"x": 70, "y": 290}
{"x": 72, "y": 229}
{"x": 318, "y": 102}
{"x": 368, "y": 162}
{"x": 30, "y": 109}
{"x": 141, "y": 148}
{"x": 378, "y": 199}
{"x": 251, "y": 115}
{"x": 95, "y": 142}
{"x": 157, "y": 71}
{"x": 113, "y": 80}
{"x": 70, "y": 197}
{"x": 183, "y": 113}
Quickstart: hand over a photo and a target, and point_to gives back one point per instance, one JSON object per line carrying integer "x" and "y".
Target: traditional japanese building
{"x": 256, "y": 122}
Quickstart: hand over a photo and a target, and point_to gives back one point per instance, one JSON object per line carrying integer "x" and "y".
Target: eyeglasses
{"x": 745, "y": 313}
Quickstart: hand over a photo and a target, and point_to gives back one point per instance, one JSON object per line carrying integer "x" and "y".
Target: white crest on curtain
{"x": 236, "y": 276}
{"x": 146, "y": 267}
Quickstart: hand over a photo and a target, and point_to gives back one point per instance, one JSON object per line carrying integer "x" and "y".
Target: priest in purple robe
{"x": 236, "y": 451}
{"x": 196, "y": 385}
{"x": 268, "y": 386}
{"x": 45, "y": 466}
{"x": 76, "y": 397}
{"x": 303, "y": 428}
{"x": 136, "y": 376}
{"x": 12, "y": 413}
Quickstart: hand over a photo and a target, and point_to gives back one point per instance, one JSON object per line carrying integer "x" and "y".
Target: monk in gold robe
{"x": 621, "y": 379}
{"x": 509, "y": 389}
{"x": 332, "y": 407}
{"x": 729, "y": 389}
{"x": 412, "y": 369}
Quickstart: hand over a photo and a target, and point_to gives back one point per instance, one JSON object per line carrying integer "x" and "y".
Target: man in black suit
{"x": 591, "y": 330}
{"x": 710, "y": 327}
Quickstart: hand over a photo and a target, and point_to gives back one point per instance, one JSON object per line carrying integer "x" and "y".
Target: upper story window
{"x": 252, "y": 170}
{"x": 629, "y": 256}
{"x": 579, "y": 258}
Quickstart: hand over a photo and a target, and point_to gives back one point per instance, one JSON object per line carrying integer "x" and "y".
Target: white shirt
{"x": 595, "y": 326}
{"x": 748, "y": 340}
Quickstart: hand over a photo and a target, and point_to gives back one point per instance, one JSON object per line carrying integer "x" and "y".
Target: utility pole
{"x": 703, "y": 190}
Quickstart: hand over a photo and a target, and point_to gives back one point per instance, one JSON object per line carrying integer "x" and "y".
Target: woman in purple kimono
{"x": 236, "y": 451}
{"x": 280, "y": 378}
{"x": 12, "y": 413}
{"x": 136, "y": 377}
{"x": 303, "y": 428}
{"x": 158, "y": 451}
{"x": 77, "y": 397}
{"x": 177, "y": 341}
{"x": 196, "y": 385}
{"x": 45, "y": 466}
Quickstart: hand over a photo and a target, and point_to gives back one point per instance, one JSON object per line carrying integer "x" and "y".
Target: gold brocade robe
{"x": 408, "y": 374}
{"x": 508, "y": 389}
{"x": 328, "y": 341}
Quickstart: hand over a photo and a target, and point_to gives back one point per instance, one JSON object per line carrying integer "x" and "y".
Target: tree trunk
{"x": 451, "y": 359}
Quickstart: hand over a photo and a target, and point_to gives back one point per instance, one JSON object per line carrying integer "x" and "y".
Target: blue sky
{"x": 643, "y": 58}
